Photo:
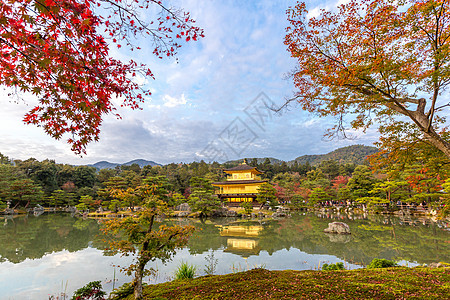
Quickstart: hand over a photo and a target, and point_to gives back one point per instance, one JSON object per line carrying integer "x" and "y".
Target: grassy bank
{"x": 391, "y": 283}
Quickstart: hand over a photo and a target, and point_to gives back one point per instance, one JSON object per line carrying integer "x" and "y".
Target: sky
{"x": 211, "y": 104}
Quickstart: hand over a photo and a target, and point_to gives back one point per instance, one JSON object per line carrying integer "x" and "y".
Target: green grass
{"x": 185, "y": 271}
{"x": 388, "y": 283}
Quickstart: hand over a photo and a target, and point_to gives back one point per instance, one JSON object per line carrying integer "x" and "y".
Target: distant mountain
{"x": 108, "y": 165}
{"x": 142, "y": 163}
{"x": 104, "y": 165}
{"x": 351, "y": 154}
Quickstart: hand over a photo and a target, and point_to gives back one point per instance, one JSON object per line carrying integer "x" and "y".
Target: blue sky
{"x": 207, "y": 105}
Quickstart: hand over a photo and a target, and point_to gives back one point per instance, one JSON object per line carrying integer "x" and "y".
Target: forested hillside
{"x": 355, "y": 154}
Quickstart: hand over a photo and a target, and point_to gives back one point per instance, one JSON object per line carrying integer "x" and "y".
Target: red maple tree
{"x": 59, "y": 51}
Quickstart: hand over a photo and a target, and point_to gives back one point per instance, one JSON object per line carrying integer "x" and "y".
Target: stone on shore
{"x": 224, "y": 212}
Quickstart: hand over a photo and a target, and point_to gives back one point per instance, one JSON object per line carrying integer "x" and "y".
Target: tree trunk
{"x": 141, "y": 265}
{"x": 430, "y": 134}
{"x": 438, "y": 142}
{"x": 138, "y": 282}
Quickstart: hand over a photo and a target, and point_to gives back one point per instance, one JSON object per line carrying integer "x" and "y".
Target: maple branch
{"x": 150, "y": 226}
{"x": 369, "y": 91}
{"x": 27, "y": 57}
{"x": 373, "y": 36}
{"x": 409, "y": 100}
{"x": 168, "y": 239}
{"x": 286, "y": 103}
{"x": 440, "y": 107}
{"x": 430, "y": 37}
{"x": 58, "y": 22}
{"x": 340, "y": 128}
{"x": 62, "y": 31}
{"x": 430, "y": 113}
{"x": 320, "y": 51}
{"x": 158, "y": 35}
{"x": 135, "y": 16}
{"x": 438, "y": 17}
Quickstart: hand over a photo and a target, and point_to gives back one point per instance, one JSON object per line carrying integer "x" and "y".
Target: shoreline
{"x": 386, "y": 283}
{"x": 227, "y": 212}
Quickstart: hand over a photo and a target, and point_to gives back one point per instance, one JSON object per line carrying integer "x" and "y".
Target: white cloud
{"x": 172, "y": 101}
{"x": 315, "y": 12}
{"x": 308, "y": 123}
{"x": 342, "y": 2}
{"x": 327, "y": 6}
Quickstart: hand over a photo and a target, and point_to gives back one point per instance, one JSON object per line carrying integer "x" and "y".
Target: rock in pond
{"x": 338, "y": 227}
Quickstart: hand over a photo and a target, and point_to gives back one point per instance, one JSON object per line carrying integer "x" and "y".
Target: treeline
{"x": 392, "y": 187}
{"x": 31, "y": 182}
{"x": 351, "y": 154}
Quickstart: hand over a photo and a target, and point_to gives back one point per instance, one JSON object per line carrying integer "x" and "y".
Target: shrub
{"x": 247, "y": 206}
{"x": 185, "y": 271}
{"x": 377, "y": 263}
{"x": 81, "y": 207}
{"x": 122, "y": 292}
{"x": 92, "y": 290}
{"x": 333, "y": 267}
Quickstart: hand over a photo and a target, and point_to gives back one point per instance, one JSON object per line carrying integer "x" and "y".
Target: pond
{"x": 56, "y": 253}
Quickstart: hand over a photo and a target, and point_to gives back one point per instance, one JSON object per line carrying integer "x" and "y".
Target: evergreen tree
{"x": 202, "y": 198}
{"x": 361, "y": 182}
{"x": 318, "y": 195}
{"x": 266, "y": 195}
{"x": 254, "y": 162}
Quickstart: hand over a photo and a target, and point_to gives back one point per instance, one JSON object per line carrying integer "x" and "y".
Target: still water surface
{"x": 54, "y": 253}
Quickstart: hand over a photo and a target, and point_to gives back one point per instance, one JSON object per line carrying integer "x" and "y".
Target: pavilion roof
{"x": 239, "y": 182}
{"x": 243, "y": 167}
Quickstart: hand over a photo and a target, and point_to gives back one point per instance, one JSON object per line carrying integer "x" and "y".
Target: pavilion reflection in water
{"x": 241, "y": 240}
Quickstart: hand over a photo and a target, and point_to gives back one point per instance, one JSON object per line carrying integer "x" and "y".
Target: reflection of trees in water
{"x": 33, "y": 237}
{"x": 372, "y": 237}
{"x": 376, "y": 236}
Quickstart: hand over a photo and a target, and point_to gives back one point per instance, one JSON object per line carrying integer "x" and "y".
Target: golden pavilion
{"x": 241, "y": 186}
